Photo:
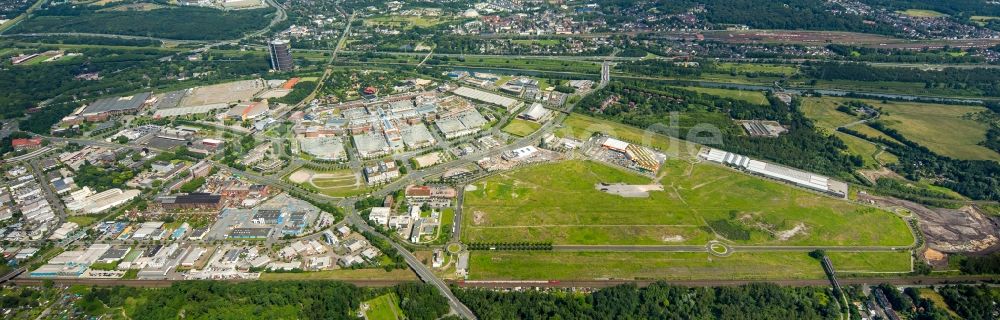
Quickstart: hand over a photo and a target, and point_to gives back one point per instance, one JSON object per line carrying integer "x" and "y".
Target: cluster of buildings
{"x": 778, "y": 172}
{"x": 22, "y": 192}
{"x": 628, "y": 155}
{"x": 416, "y": 224}
{"x": 388, "y": 125}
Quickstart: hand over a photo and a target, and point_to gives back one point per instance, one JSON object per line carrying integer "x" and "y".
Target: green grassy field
{"x": 982, "y": 20}
{"x": 384, "y": 307}
{"x": 528, "y": 63}
{"x": 542, "y": 42}
{"x": 338, "y": 183}
{"x": 868, "y": 151}
{"x": 944, "y": 129}
{"x": 758, "y": 68}
{"x": 924, "y": 123}
{"x": 823, "y": 111}
{"x": 920, "y": 13}
{"x": 546, "y": 265}
{"x": 521, "y": 128}
{"x": 756, "y": 97}
{"x": 406, "y": 22}
{"x": 558, "y": 202}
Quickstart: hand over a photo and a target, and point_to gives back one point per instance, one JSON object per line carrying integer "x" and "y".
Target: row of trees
{"x": 657, "y": 301}
{"x": 258, "y": 300}
{"x": 187, "y": 23}
{"x": 986, "y": 80}
{"x": 510, "y": 246}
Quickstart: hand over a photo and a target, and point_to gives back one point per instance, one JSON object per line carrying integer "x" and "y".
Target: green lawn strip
{"x": 521, "y": 128}
{"x": 547, "y": 265}
{"x": 384, "y": 307}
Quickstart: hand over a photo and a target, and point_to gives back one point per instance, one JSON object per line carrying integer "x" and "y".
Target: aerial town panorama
{"x": 523, "y": 159}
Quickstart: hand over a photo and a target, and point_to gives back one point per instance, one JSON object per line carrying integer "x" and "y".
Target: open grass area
{"x": 868, "y": 151}
{"x": 938, "y": 300}
{"x": 345, "y": 274}
{"x": 758, "y": 68}
{"x": 582, "y": 127}
{"x": 945, "y": 129}
{"x": 558, "y": 202}
{"x": 541, "y": 42}
{"x": 545, "y": 265}
{"x": 521, "y": 128}
{"x": 337, "y": 183}
{"x": 82, "y": 220}
{"x": 384, "y": 307}
{"x": 756, "y": 97}
{"x": 405, "y": 22}
{"x": 541, "y": 64}
{"x": 920, "y": 13}
{"x": 982, "y": 20}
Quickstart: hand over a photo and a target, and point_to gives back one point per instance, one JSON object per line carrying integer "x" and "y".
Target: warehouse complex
{"x": 801, "y": 178}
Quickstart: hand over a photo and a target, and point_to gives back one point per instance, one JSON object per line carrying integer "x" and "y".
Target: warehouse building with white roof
{"x": 778, "y": 172}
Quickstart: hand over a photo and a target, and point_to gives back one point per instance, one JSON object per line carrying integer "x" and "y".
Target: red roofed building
{"x": 434, "y": 196}
{"x": 25, "y": 144}
{"x": 370, "y": 90}
{"x": 290, "y": 83}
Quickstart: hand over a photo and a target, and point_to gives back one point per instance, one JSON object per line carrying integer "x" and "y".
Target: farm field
{"x": 559, "y": 203}
{"x": 548, "y": 265}
{"x": 756, "y": 97}
{"x": 384, "y": 307}
{"x": 521, "y": 128}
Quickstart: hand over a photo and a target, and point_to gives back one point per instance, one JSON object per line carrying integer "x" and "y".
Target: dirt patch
{"x": 629, "y": 190}
{"x": 949, "y": 230}
{"x": 788, "y": 234}
{"x": 471, "y": 187}
{"x": 478, "y": 217}
{"x": 936, "y": 258}
{"x": 675, "y": 238}
{"x": 300, "y": 176}
{"x": 874, "y": 175}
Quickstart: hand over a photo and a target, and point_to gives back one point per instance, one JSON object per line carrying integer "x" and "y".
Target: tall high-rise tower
{"x": 281, "y": 55}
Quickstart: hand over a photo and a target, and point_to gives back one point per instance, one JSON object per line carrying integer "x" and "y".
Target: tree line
{"x": 257, "y": 300}
{"x": 657, "y": 301}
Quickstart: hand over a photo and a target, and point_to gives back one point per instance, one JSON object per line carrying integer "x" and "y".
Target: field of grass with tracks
{"x": 558, "y": 202}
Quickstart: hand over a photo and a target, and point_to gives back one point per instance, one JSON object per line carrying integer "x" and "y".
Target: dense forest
{"x": 986, "y": 80}
{"x": 949, "y": 7}
{"x": 186, "y": 23}
{"x": 868, "y": 54}
{"x": 57, "y": 89}
{"x": 258, "y": 300}
{"x": 657, "y": 301}
{"x": 707, "y": 119}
